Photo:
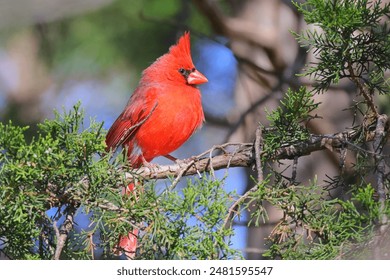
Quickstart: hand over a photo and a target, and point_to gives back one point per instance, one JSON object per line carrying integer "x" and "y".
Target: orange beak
{"x": 196, "y": 78}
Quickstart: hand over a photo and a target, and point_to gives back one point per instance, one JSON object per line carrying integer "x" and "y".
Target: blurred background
{"x": 54, "y": 53}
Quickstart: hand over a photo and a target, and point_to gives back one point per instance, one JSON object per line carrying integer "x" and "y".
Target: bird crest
{"x": 182, "y": 50}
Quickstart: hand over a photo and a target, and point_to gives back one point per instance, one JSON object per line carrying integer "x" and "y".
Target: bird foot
{"x": 181, "y": 161}
{"x": 152, "y": 166}
{"x": 186, "y": 161}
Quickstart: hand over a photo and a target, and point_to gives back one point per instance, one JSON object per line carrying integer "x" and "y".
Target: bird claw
{"x": 152, "y": 166}
{"x": 186, "y": 160}
{"x": 189, "y": 161}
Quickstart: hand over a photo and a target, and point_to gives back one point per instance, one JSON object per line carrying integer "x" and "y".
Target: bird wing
{"x": 139, "y": 108}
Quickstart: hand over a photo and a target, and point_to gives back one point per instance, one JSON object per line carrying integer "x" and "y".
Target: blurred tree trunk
{"x": 30, "y": 79}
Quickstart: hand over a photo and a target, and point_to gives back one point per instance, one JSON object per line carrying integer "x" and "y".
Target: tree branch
{"x": 63, "y": 233}
{"x": 242, "y": 156}
{"x": 363, "y": 89}
{"x": 379, "y": 141}
{"x": 258, "y": 146}
{"x": 218, "y": 157}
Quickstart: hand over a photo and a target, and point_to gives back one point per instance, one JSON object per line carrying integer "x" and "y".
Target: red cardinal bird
{"x": 162, "y": 113}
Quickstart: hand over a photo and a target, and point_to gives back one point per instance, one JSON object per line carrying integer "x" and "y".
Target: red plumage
{"x": 162, "y": 113}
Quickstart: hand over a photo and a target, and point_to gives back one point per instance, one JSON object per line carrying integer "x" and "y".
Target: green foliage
{"x": 189, "y": 224}
{"x": 353, "y": 41}
{"x": 287, "y": 122}
{"x": 65, "y": 167}
{"x": 340, "y": 219}
{"x": 59, "y": 158}
{"x": 316, "y": 227}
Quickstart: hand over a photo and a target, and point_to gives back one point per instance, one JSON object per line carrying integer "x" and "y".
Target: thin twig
{"x": 363, "y": 89}
{"x": 233, "y": 207}
{"x": 63, "y": 232}
{"x": 294, "y": 171}
{"x": 379, "y": 141}
{"x": 258, "y": 149}
{"x": 177, "y": 179}
{"x": 91, "y": 245}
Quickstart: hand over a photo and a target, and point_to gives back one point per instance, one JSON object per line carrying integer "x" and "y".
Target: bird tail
{"x": 127, "y": 244}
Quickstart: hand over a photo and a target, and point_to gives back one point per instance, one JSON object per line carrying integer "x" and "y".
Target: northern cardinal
{"x": 162, "y": 113}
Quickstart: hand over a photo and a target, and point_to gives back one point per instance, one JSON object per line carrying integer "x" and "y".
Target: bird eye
{"x": 182, "y": 71}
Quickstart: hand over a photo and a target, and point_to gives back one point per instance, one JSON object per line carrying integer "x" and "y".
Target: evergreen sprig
{"x": 350, "y": 39}
{"x": 287, "y": 123}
